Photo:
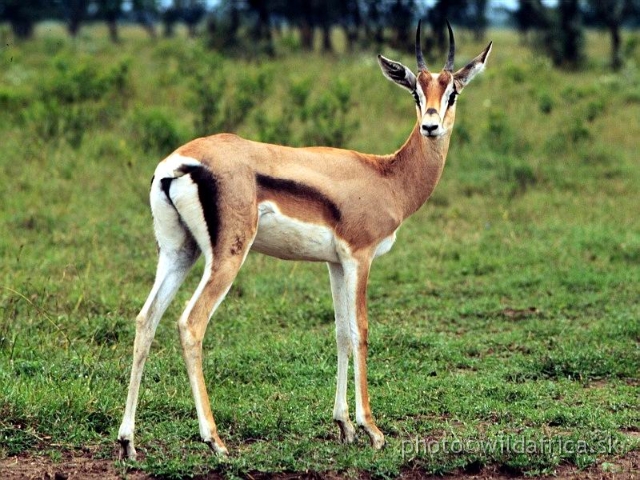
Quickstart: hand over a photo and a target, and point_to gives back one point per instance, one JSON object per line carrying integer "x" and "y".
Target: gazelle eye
{"x": 452, "y": 98}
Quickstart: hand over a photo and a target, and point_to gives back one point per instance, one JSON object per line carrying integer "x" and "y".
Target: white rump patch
{"x": 168, "y": 167}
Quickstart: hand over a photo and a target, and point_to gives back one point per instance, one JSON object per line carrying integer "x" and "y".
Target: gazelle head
{"x": 435, "y": 93}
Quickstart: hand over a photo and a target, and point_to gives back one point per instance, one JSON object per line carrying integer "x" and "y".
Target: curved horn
{"x": 419, "y": 57}
{"x": 448, "y": 67}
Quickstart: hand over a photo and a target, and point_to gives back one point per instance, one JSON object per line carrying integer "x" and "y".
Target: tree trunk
{"x": 571, "y": 40}
{"x": 73, "y": 27}
{"x": 306, "y": 35}
{"x": 327, "y": 47}
{"x": 616, "y": 57}
{"x": 112, "y": 24}
{"x": 22, "y": 29}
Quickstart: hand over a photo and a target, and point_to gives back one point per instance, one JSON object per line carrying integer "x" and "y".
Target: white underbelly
{"x": 385, "y": 245}
{"x": 291, "y": 239}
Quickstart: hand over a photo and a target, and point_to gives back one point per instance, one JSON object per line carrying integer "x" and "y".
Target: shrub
{"x": 274, "y": 130}
{"x": 75, "y": 98}
{"x": 52, "y": 120}
{"x": 156, "y": 131}
{"x": 499, "y": 133}
{"x": 594, "y": 109}
{"x": 328, "y": 122}
{"x": 545, "y": 103}
{"x": 206, "y": 100}
{"x": 222, "y": 102}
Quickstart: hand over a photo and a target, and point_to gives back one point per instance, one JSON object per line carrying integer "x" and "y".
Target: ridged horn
{"x": 419, "y": 57}
{"x": 448, "y": 67}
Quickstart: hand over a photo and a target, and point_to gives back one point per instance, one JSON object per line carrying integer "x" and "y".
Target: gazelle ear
{"x": 463, "y": 76}
{"x": 397, "y": 73}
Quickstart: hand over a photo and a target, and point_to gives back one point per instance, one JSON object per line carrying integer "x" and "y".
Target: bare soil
{"x": 82, "y": 465}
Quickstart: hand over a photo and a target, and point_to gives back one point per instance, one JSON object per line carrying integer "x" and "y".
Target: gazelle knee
{"x": 188, "y": 336}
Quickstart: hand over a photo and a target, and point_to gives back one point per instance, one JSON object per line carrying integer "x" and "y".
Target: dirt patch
{"x": 84, "y": 466}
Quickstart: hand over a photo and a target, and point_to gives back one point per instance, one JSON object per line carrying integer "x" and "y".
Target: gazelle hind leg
{"x": 177, "y": 254}
{"x": 224, "y": 238}
{"x": 214, "y": 285}
{"x": 343, "y": 341}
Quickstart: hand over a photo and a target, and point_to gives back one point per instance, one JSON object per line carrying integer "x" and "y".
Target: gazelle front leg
{"x": 356, "y": 276}
{"x": 343, "y": 340}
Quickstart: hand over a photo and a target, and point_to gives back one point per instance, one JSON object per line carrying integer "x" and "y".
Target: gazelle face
{"x": 434, "y": 93}
{"x": 435, "y": 99}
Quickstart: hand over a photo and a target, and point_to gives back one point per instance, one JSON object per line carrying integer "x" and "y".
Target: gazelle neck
{"x": 416, "y": 167}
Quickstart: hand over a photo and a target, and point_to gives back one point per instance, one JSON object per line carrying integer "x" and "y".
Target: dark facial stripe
{"x": 297, "y": 189}
{"x": 452, "y": 99}
{"x": 416, "y": 97}
{"x": 208, "y": 196}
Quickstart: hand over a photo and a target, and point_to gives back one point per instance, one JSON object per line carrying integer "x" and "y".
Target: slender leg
{"x": 218, "y": 276}
{"x": 356, "y": 275}
{"x": 343, "y": 340}
{"x": 172, "y": 269}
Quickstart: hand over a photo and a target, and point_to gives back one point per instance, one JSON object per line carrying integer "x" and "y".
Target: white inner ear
{"x": 470, "y": 73}
{"x": 410, "y": 79}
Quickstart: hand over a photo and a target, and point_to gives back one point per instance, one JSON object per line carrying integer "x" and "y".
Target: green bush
{"x": 499, "y": 133}
{"x": 75, "y": 82}
{"x": 545, "y": 103}
{"x": 328, "y": 120}
{"x": 222, "y": 102}
{"x": 53, "y": 121}
{"x": 156, "y": 131}
{"x": 77, "y": 97}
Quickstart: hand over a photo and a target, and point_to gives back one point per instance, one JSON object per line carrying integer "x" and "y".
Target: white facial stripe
{"x": 445, "y": 99}
{"x": 423, "y": 99}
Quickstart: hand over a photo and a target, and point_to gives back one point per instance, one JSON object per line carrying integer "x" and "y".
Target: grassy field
{"x": 507, "y": 312}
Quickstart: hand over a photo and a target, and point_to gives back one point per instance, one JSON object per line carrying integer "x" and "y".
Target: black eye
{"x": 416, "y": 98}
{"x": 452, "y": 98}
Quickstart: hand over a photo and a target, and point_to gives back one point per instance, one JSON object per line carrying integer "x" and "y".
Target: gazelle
{"x": 223, "y": 196}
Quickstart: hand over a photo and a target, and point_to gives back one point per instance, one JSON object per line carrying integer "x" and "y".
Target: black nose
{"x": 429, "y": 128}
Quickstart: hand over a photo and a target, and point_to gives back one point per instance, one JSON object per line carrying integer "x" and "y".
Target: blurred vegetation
{"x": 508, "y": 306}
{"x": 254, "y": 27}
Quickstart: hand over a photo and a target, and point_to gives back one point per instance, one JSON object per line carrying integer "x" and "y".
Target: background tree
{"x": 530, "y": 15}
{"x": 374, "y": 21}
{"x": 192, "y": 13}
{"x": 401, "y": 17}
{"x": 262, "y": 27}
{"x": 478, "y": 17}
{"x": 612, "y": 15}
{"x": 22, "y": 16}
{"x": 559, "y": 32}
{"x": 569, "y": 36}
{"x": 351, "y": 21}
{"x": 75, "y": 12}
{"x": 457, "y": 12}
{"x": 145, "y": 12}
{"x": 109, "y": 11}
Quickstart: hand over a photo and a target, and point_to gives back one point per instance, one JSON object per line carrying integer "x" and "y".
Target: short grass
{"x": 506, "y": 313}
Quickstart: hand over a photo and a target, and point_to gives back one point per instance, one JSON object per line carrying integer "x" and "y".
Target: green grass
{"x": 507, "y": 311}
